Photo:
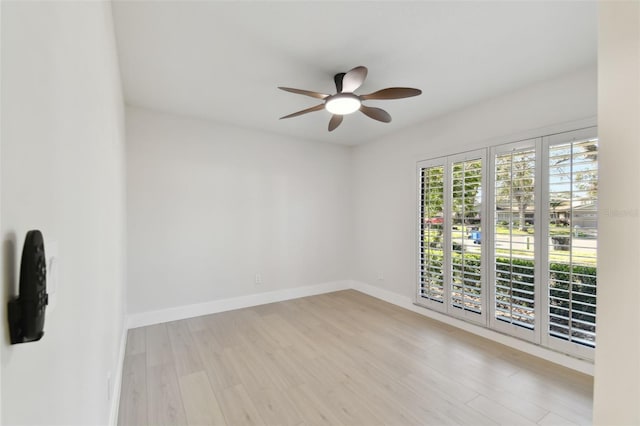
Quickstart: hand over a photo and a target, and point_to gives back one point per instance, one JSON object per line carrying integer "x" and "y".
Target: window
{"x": 531, "y": 270}
{"x": 572, "y": 227}
{"x": 432, "y": 218}
{"x": 514, "y": 260}
{"x": 451, "y": 256}
{"x": 466, "y": 257}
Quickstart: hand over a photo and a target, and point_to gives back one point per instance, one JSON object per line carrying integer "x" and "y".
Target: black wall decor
{"x": 26, "y": 312}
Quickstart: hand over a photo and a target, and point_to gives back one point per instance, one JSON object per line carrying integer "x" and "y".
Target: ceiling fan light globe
{"x": 342, "y": 104}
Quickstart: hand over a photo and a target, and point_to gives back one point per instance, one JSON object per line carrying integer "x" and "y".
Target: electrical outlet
{"x": 258, "y": 279}
{"x": 380, "y": 276}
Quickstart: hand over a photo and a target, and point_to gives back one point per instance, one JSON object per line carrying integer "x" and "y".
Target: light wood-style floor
{"x": 342, "y": 359}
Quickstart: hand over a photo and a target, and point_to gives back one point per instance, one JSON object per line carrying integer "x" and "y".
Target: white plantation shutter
{"x": 514, "y": 239}
{"x": 450, "y": 250}
{"x": 432, "y": 233}
{"x": 572, "y": 212}
{"x": 511, "y": 231}
{"x": 466, "y": 236}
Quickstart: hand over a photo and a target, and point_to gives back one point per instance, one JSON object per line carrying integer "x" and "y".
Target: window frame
{"x": 480, "y": 154}
{"x": 531, "y": 335}
{"x": 540, "y": 334}
{"x": 424, "y": 301}
{"x": 549, "y": 341}
{"x": 446, "y": 306}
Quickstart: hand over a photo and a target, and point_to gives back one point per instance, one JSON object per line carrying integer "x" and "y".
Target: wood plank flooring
{"x": 342, "y": 358}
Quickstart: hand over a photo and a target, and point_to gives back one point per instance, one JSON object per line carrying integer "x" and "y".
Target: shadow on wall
{"x": 9, "y": 279}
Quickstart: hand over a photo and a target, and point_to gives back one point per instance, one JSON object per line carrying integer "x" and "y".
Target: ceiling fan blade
{"x": 335, "y": 122}
{"x": 392, "y": 93}
{"x": 376, "y": 113}
{"x": 354, "y": 79}
{"x": 304, "y": 92}
{"x": 304, "y": 111}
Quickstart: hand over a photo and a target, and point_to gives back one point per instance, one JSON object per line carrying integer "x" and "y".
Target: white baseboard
{"x": 189, "y": 311}
{"x": 530, "y": 348}
{"x": 116, "y": 380}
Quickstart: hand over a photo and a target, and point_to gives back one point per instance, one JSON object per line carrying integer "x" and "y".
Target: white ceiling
{"x": 224, "y": 60}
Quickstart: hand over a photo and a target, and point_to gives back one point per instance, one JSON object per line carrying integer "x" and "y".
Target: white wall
{"x": 63, "y": 173}
{"x": 617, "y": 378}
{"x": 209, "y": 206}
{"x": 385, "y": 171}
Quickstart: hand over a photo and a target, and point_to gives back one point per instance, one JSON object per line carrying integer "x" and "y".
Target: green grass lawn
{"x": 504, "y": 230}
{"x": 514, "y": 231}
{"x": 580, "y": 256}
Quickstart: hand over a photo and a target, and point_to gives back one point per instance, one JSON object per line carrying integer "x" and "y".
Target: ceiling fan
{"x": 345, "y": 101}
